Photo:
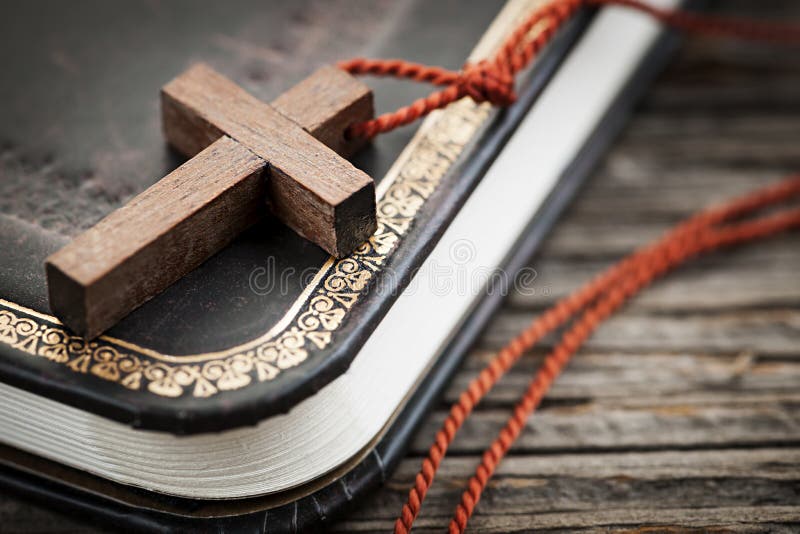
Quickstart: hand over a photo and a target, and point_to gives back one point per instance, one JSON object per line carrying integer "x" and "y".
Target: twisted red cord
{"x": 486, "y": 81}
{"x": 608, "y": 290}
{"x": 679, "y": 246}
{"x": 492, "y": 80}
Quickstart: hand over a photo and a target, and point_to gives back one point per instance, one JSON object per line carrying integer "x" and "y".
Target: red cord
{"x": 486, "y": 81}
{"x": 599, "y": 298}
{"x": 492, "y": 80}
{"x": 631, "y": 276}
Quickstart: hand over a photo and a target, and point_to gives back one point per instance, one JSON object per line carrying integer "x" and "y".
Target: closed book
{"x": 275, "y": 385}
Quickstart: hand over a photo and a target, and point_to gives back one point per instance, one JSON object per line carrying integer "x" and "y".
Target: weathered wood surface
{"x": 683, "y": 412}
{"x": 326, "y": 104}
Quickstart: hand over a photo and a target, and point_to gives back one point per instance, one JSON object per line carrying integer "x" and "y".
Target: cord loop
{"x": 487, "y": 82}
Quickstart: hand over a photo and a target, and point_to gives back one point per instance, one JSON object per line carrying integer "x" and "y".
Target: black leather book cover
{"x": 271, "y": 319}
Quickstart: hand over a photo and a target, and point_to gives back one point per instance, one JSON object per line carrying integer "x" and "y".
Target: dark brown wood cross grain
{"x": 244, "y": 153}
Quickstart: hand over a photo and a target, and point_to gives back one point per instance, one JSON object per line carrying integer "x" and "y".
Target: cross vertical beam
{"x": 247, "y": 155}
{"x": 318, "y": 194}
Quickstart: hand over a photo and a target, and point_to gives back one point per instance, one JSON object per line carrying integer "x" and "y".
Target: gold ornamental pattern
{"x": 324, "y": 308}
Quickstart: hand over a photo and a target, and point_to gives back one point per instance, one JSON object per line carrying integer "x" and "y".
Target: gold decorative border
{"x": 317, "y": 313}
{"x": 324, "y": 304}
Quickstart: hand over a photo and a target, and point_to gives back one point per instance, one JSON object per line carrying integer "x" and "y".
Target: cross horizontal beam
{"x": 320, "y": 195}
{"x": 246, "y": 153}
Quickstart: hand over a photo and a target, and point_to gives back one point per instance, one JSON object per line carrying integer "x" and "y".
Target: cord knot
{"x": 485, "y": 81}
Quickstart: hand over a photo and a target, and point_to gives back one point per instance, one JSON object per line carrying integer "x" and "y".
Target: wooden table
{"x": 682, "y": 412}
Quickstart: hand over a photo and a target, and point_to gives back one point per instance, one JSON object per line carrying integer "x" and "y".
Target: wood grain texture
{"x": 325, "y": 104}
{"x": 317, "y": 193}
{"x": 163, "y": 233}
{"x": 182, "y": 220}
{"x": 661, "y": 491}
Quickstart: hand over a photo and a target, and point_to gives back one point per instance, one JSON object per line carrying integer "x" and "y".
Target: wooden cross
{"x": 244, "y": 152}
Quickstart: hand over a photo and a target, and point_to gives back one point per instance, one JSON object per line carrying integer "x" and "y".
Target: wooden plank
{"x": 603, "y": 489}
{"x": 601, "y": 426}
{"x": 629, "y": 401}
{"x": 163, "y": 233}
{"x": 611, "y": 239}
{"x": 772, "y": 331}
{"x": 688, "y": 520}
{"x": 729, "y": 280}
{"x": 649, "y": 379}
{"x": 317, "y": 193}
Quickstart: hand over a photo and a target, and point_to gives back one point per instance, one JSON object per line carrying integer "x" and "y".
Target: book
{"x": 274, "y": 386}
